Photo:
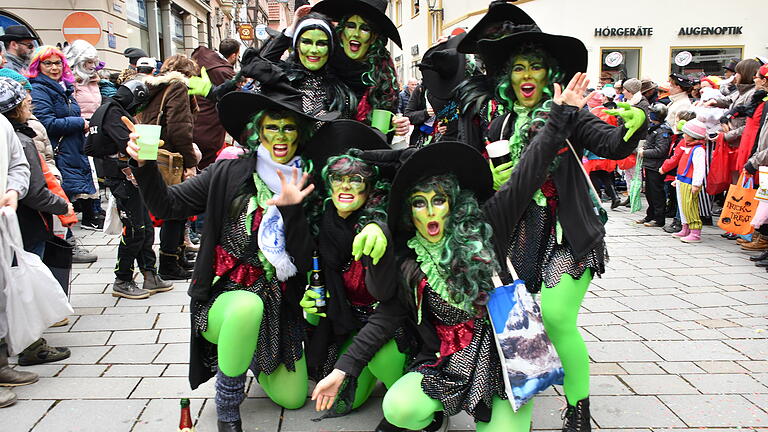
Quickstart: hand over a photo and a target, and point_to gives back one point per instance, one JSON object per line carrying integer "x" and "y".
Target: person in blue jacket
{"x": 56, "y": 108}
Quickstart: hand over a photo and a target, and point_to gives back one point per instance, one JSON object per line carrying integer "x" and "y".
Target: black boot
{"x": 170, "y": 269}
{"x": 576, "y": 418}
{"x": 674, "y": 227}
{"x": 762, "y": 257}
{"x": 184, "y": 260}
{"x": 235, "y": 426}
{"x": 385, "y": 426}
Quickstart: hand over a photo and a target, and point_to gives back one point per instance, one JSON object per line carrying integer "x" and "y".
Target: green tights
{"x": 407, "y": 406}
{"x": 233, "y": 326}
{"x": 386, "y": 366}
{"x": 559, "y": 310}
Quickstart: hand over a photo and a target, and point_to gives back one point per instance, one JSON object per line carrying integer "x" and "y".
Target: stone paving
{"x": 676, "y": 332}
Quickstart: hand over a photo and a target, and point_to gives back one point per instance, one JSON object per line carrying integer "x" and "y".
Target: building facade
{"x": 160, "y": 27}
{"x": 685, "y": 36}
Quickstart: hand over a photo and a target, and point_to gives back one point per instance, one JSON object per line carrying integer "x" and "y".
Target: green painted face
{"x": 348, "y": 193}
{"x": 529, "y": 78}
{"x": 356, "y": 38}
{"x": 313, "y": 49}
{"x": 280, "y": 137}
{"x": 429, "y": 211}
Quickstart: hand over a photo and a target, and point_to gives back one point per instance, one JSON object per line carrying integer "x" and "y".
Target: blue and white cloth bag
{"x": 529, "y": 361}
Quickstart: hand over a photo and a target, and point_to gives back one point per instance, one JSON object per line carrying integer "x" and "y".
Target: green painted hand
{"x": 200, "y": 86}
{"x": 633, "y": 118}
{"x": 308, "y": 303}
{"x": 501, "y": 174}
{"x": 371, "y": 241}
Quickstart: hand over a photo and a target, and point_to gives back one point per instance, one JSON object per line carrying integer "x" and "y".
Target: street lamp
{"x": 432, "y": 5}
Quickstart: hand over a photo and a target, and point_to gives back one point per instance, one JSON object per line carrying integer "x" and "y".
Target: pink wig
{"x": 45, "y": 52}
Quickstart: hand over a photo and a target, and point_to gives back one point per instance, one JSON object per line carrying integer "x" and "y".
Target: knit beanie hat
{"x": 695, "y": 128}
{"x": 11, "y": 94}
{"x": 19, "y": 78}
{"x": 632, "y": 85}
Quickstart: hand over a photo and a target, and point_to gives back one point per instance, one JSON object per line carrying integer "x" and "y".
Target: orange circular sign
{"x": 81, "y": 25}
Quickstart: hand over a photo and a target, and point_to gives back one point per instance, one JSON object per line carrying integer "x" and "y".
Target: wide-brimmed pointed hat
{"x": 336, "y": 137}
{"x": 492, "y": 23}
{"x": 236, "y": 109}
{"x": 442, "y": 69}
{"x": 374, "y": 11}
{"x": 443, "y": 157}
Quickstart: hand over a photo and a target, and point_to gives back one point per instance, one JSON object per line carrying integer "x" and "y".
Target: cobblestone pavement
{"x": 676, "y": 333}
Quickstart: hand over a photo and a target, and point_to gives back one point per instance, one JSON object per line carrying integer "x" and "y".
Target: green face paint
{"x": 357, "y": 37}
{"x": 348, "y": 193}
{"x": 313, "y": 49}
{"x": 429, "y": 211}
{"x": 529, "y": 78}
{"x": 280, "y": 137}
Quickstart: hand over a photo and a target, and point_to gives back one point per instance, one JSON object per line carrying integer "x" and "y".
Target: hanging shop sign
{"x": 246, "y": 32}
{"x": 624, "y": 31}
{"x": 614, "y": 59}
{"x": 683, "y": 58}
{"x": 708, "y": 31}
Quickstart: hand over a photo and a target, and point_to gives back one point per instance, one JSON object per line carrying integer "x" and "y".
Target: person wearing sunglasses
{"x": 19, "y": 45}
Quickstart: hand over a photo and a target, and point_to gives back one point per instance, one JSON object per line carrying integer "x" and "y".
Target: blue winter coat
{"x": 58, "y": 111}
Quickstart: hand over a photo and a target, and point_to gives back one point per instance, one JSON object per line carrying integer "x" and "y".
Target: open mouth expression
{"x": 356, "y": 38}
{"x": 429, "y": 212}
{"x": 348, "y": 193}
{"x": 313, "y": 49}
{"x": 529, "y": 78}
{"x": 280, "y": 137}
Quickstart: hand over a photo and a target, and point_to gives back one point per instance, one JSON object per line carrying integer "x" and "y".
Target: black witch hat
{"x": 492, "y": 24}
{"x": 334, "y": 138}
{"x": 442, "y": 69}
{"x": 443, "y": 157}
{"x": 236, "y": 109}
{"x": 374, "y": 11}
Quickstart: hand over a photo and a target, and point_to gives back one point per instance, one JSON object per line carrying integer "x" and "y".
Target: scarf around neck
{"x": 428, "y": 256}
{"x": 518, "y": 140}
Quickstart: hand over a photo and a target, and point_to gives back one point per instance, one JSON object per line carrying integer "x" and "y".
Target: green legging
{"x": 386, "y": 366}
{"x": 233, "y": 326}
{"x": 559, "y": 310}
{"x": 407, "y": 406}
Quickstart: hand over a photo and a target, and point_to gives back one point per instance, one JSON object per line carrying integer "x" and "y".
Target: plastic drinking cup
{"x": 382, "y": 120}
{"x": 498, "y": 151}
{"x": 149, "y": 141}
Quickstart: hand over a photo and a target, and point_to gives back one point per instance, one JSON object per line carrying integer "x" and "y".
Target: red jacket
{"x": 676, "y": 153}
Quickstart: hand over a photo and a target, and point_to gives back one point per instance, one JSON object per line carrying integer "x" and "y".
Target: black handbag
{"x": 58, "y": 258}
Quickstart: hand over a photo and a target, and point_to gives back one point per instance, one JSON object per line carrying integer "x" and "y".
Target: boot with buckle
{"x": 170, "y": 268}
{"x": 576, "y": 418}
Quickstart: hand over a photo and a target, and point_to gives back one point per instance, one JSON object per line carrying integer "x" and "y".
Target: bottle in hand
{"x": 185, "y": 423}
{"x": 317, "y": 283}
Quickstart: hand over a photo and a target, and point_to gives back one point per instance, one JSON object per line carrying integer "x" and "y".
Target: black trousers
{"x": 654, "y": 194}
{"x": 671, "y": 197}
{"x": 603, "y": 179}
{"x": 172, "y": 235}
{"x": 138, "y": 232}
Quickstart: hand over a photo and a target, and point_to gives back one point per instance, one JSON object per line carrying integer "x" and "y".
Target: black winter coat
{"x": 212, "y": 192}
{"x": 656, "y": 148}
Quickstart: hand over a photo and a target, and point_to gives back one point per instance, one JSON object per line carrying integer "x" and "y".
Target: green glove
{"x": 501, "y": 174}
{"x": 308, "y": 303}
{"x": 371, "y": 241}
{"x": 633, "y": 117}
{"x": 680, "y": 125}
{"x": 200, "y": 86}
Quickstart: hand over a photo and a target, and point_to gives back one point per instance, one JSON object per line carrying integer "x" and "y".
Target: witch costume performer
{"x": 558, "y": 245}
{"x": 251, "y": 270}
{"x": 356, "y": 195}
{"x": 447, "y": 234}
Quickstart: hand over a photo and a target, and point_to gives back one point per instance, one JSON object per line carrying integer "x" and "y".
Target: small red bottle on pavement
{"x": 185, "y": 423}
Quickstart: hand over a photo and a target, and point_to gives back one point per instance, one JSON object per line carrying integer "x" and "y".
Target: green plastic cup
{"x": 149, "y": 141}
{"x": 382, "y": 120}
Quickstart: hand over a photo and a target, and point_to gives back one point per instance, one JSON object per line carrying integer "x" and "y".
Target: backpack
{"x": 99, "y": 144}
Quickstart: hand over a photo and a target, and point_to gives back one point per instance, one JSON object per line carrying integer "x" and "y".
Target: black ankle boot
{"x": 184, "y": 261}
{"x": 576, "y": 418}
{"x": 170, "y": 268}
{"x": 385, "y": 426}
{"x": 762, "y": 257}
{"x": 235, "y": 426}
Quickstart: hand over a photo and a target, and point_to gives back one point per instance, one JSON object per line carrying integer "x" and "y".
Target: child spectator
{"x": 690, "y": 176}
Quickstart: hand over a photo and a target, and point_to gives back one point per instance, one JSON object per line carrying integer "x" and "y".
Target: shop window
{"x": 621, "y": 63}
{"x": 136, "y": 11}
{"x": 702, "y": 60}
{"x": 435, "y": 23}
{"x": 415, "y": 71}
{"x": 414, "y": 8}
